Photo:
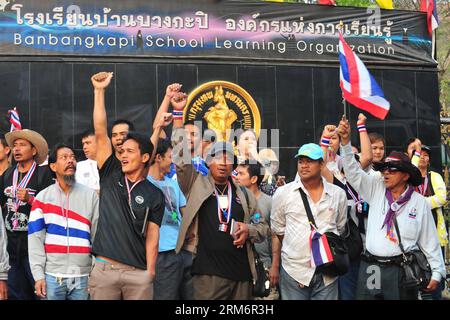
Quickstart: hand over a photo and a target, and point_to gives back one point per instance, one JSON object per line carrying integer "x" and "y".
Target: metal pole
{"x": 345, "y": 106}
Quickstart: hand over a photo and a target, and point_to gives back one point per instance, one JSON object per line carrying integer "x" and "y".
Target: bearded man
{"x": 62, "y": 223}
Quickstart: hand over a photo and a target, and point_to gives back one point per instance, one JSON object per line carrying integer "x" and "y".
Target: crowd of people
{"x": 182, "y": 216}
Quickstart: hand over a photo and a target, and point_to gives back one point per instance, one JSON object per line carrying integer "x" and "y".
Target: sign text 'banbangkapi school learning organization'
{"x": 197, "y": 29}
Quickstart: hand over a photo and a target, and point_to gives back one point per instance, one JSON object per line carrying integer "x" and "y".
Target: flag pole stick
{"x": 344, "y": 102}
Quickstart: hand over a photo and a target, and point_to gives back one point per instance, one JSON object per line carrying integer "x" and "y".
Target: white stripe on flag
{"x": 365, "y": 85}
{"x": 381, "y": 102}
{"x": 347, "y": 85}
{"x": 323, "y": 253}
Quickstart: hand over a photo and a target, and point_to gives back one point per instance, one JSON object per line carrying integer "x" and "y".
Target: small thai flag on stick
{"x": 14, "y": 120}
{"x": 358, "y": 85}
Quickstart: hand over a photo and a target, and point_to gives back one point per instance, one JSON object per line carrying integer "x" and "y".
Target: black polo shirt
{"x": 120, "y": 233}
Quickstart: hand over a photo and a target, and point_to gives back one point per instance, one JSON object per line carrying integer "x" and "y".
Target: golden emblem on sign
{"x": 223, "y": 106}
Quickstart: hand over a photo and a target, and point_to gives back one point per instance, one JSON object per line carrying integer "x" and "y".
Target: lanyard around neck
{"x": 129, "y": 193}
{"x": 224, "y": 212}
{"x": 23, "y": 183}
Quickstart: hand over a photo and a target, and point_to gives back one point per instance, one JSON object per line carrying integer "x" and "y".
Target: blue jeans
{"x": 66, "y": 288}
{"x": 20, "y": 280}
{"x": 290, "y": 289}
{"x": 348, "y": 282}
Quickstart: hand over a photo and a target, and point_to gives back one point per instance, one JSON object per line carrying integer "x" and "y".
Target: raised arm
{"x": 171, "y": 90}
{"x": 178, "y": 102}
{"x": 327, "y": 133}
{"x": 100, "y": 81}
{"x": 158, "y": 126}
{"x": 366, "y": 146}
{"x": 367, "y": 186}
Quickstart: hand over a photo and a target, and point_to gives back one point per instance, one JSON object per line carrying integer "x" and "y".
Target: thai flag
{"x": 320, "y": 249}
{"x": 14, "y": 120}
{"x": 358, "y": 86}
{"x": 429, "y": 6}
{"x": 327, "y": 2}
{"x": 234, "y": 174}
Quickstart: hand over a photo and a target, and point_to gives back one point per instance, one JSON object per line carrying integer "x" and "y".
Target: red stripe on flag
{"x": 352, "y": 66}
{"x": 48, "y": 208}
{"x": 52, "y": 248}
{"x": 326, "y": 246}
{"x": 423, "y": 5}
{"x": 327, "y": 2}
{"x": 365, "y": 105}
{"x": 430, "y": 16}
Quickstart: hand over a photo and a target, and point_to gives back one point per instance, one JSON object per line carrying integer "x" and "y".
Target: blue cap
{"x": 310, "y": 150}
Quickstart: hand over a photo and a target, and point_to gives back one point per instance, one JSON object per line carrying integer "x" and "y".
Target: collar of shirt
{"x": 326, "y": 187}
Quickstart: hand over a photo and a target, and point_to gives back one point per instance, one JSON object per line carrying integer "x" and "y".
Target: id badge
{"x": 223, "y": 202}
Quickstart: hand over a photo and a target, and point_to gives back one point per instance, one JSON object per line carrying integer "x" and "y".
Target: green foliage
{"x": 355, "y": 3}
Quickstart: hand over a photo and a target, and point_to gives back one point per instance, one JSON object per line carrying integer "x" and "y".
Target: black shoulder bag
{"x": 261, "y": 285}
{"x": 352, "y": 238}
{"x": 417, "y": 270}
{"x": 341, "y": 261}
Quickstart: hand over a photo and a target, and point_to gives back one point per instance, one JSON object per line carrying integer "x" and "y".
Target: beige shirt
{"x": 288, "y": 218}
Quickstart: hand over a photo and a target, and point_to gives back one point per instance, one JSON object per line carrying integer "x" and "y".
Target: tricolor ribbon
{"x": 224, "y": 212}
{"x": 22, "y": 185}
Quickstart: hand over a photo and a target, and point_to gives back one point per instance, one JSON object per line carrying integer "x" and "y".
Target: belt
{"x": 368, "y": 257}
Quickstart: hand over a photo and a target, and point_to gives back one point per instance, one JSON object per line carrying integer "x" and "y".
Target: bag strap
{"x": 307, "y": 208}
{"x": 397, "y": 230}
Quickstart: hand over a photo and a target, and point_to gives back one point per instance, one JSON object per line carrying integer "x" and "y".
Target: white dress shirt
{"x": 415, "y": 220}
{"x": 87, "y": 174}
{"x": 288, "y": 218}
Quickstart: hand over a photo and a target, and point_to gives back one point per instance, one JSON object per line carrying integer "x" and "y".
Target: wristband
{"x": 361, "y": 127}
{"x": 417, "y": 153}
{"x": 325, "y": 142}
{"x": 177, "y": 115}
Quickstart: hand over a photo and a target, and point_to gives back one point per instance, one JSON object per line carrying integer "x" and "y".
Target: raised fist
{"x": 179, "y": 101}
{"x": 165, "y": 119}
{"x": 344, "y": 130}
{"x": 329, "y": 130}
{"x": 101, "y": 80}
{"x": 362, "y": 119}
{"x": 172, "y": 89}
